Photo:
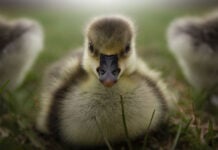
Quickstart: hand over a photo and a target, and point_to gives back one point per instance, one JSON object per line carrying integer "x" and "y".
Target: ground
{"x": 190, "y": 127}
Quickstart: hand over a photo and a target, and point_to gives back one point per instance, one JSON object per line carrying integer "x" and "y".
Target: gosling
{"x": 194, "y": 42}
{"x": 20, "y": 43}
{"x": 82, "y": 92}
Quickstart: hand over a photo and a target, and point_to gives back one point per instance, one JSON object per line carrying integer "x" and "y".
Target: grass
{"x": 148, "y": 129}
{"x": 105, "y": 138}
{"x": 190, "y": 127}
{"x": 128, "y": 141}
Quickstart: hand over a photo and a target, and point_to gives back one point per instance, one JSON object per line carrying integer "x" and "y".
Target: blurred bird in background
{"x": 21, "y": 41}
{"x": 194, "y": 42}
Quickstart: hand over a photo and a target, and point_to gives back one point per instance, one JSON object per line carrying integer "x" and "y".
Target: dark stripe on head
{"x": 59, "y": 95}
{"x": 206, "y": 33}
{"x": 10, "y": 33}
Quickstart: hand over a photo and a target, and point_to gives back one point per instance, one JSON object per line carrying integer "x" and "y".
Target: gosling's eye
{"x": 91, "y": 47}
{"x": 127, "y": 48}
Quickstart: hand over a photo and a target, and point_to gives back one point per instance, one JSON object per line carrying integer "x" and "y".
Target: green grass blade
{"x": 187, "y": 125}
{"x": 103, "y": 135}
{"x": 124, "y": 124}
{"x": 148, "y": 128}
{"x": 177, "y": 137}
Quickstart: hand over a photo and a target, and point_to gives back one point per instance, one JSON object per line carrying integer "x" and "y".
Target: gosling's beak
{"x": 108, "y": 70}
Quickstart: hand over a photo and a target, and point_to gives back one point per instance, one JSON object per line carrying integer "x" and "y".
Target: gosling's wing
{"x": 56, "y": 76}
{"x": 62, "y": 70}
{"x": 160, "y": 89}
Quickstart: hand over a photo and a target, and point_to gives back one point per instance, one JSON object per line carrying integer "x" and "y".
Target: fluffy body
{"x": 193, "y": 41}
{"x": 75, "y": 106}
{"x": 21, "y": 42}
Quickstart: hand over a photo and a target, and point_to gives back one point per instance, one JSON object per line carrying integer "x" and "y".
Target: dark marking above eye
{"x": 91, "y": 47}
{"x": 127, "y": 48}
{"x": 125, "y": 51}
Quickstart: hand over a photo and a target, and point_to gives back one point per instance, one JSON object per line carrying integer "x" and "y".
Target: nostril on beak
{"x": 116, "y": 72}
{"x": 100, "y": 71}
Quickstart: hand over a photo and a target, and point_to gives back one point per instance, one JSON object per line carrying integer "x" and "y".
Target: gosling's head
{"x": 109, "y": 48}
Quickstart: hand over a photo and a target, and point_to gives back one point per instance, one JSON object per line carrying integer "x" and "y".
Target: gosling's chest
{"x": 102, "y": 102}
{"x": 87, "y": 111}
